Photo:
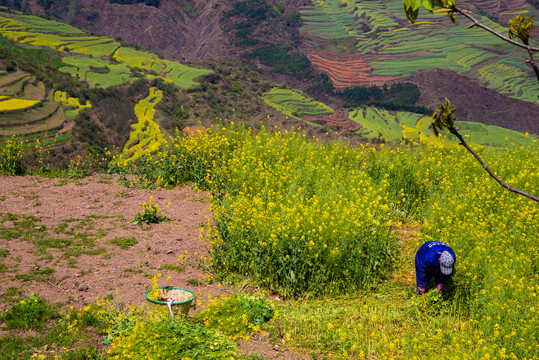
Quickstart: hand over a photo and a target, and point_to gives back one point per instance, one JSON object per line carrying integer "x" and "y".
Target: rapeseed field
{"x": 332, "y": 229}
{"x": 306, "y": 218}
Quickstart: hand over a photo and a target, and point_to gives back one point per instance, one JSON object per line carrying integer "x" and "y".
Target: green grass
{"x": 20, "y": 227}
{"x": 172, "y": 267}
{"x": 124, "y": 242}
{"x": 29, "y": 313}
{"x": 37, "y": 275}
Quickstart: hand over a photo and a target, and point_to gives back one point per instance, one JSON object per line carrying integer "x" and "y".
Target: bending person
{"x": 433, "y": 259}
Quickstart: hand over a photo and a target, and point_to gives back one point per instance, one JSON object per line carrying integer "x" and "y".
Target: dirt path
{"x": 57, "y": 240}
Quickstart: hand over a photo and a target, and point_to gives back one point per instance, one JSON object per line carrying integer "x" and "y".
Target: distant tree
{"x": 521, "y": 28}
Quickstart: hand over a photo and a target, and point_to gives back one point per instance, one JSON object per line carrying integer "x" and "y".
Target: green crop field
{"x": 88, "y": 64}
{"x": 53, "y": 122}
{"x": 181, "y": 75}
{"x": 29, "y": 116}
{"x": 172, "y": 71}
{"x": 294, "y": 104}
{"x": 98, "y": 73}
{"x": 139, "y": 59}
{"x": 433, "y": 42}
{"x": 379, "y": 123}
{"x": 394, "y": 127}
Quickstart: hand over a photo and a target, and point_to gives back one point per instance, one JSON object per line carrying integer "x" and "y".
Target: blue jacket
{"x": 427, "y": 262}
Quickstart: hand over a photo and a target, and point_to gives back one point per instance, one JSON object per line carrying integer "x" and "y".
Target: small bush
{"x": 151, "y": 213}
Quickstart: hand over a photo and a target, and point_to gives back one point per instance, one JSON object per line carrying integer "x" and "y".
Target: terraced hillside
{"x": 356, "y": 44}
{"x": 293, "y": 104}
{"x": 29, "y": 112}
{"x": 90, "y": 57}
{"x": 374, "y": 42}
{"x": 33, "y": 110}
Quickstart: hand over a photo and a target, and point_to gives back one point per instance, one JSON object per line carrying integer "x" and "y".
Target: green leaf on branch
{"x": 427, "y": 4}
{"x": 521, "y": 28}
{"x": 443, "y": 117}
{"x": 411, "y": 14}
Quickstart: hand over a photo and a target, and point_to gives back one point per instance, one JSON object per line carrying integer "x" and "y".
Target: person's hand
{"x": 420, "y": 289}
{"x": 440, "y": 288}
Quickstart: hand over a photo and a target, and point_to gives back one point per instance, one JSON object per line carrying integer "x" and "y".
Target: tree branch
{"x": 500, "y": 181}
{"x": 484, "y": 27}
{"x": 532, "y": 63}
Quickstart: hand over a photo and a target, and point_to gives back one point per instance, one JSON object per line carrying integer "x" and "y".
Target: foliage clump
{"x": 31, "y": 312}
{"x": 11, "y": 157}
{"x": 238, "y": 315}
{"x": 151, "y": 213}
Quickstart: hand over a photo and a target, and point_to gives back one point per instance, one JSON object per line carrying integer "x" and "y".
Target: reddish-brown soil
{"x": 100, "y": 209}
{"x": 338, "y": 121}
{"x": 347, "y": 72}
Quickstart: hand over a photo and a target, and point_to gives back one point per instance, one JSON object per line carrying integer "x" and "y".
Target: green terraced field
{"x": 88, "y": 45}
{"x": 382, "y": 124}
{"x": 181, "y": 75}
{"x": 293, "y": 104}
{"x": 89, "y": 65}
{"x": 54, "y": 122}
{"x": 40, "y": 25}
{"x": 433, "y": 42}
{"x": 394, "y": 127}
{"x": 138, "y": 59}
{"x": 30, "y": 116}
{"x": 99, "y": 73}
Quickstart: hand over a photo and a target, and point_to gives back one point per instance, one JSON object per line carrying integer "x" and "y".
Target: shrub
{"x": 151, "y": 213}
